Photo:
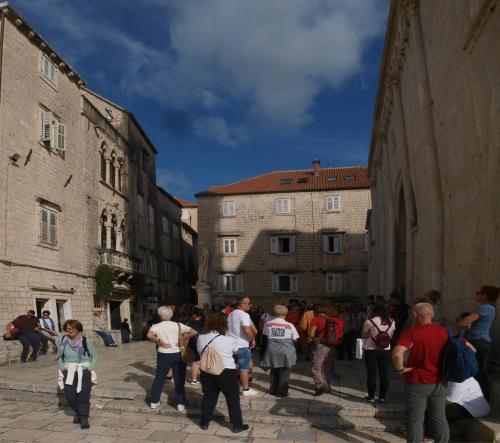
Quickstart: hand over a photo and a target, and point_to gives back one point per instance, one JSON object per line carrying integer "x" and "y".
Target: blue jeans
{"x": 108, "y": 338}
{"x": 165, "y": 362}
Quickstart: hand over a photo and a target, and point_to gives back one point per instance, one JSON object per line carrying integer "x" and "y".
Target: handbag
{"x": 187, "y": 354}
{"x": 360, "y": 347}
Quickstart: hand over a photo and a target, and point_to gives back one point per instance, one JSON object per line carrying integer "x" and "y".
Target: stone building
{"x": 78, "y": 190}
{"x": 435, "y": 154}
{"x": 285, "y": 235}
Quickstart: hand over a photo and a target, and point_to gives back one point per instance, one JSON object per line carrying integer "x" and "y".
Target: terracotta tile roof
{"x": 185, "y": 203}
{"x": 354, "y": 177}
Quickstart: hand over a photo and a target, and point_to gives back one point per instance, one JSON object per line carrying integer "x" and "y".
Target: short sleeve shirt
{"x": 425, "y": 344}
{"x": 24, "y": 323}
{"x": 237, "y": 320}
{"x": 224, "y": 345}
{"x": 169, "y": 332}
{"x": 278, "y": 328}
{"x": 481, "y": 327}
{"x": 469, "y": 395}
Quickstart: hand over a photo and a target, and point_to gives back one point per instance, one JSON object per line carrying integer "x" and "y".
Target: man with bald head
{"x": 424, "y": 343}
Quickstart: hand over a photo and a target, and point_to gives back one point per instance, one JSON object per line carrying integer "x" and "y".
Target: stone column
{"x": 117, "y": 176}
{"x": 108, "y": 170}
{"x": 108, "y": 236}
{"x": 119, "y": 240}
{"x": 433, "y": 176}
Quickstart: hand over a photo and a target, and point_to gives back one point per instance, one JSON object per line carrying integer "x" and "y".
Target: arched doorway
{"x": 400, "y": 245}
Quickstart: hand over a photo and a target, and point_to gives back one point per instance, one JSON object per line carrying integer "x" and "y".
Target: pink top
{"x": 372, "y": 330}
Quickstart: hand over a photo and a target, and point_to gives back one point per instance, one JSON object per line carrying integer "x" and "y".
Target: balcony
{"x": 119, "y": 260}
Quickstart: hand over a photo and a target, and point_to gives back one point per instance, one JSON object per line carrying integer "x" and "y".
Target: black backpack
{"x": 85, "y": 347}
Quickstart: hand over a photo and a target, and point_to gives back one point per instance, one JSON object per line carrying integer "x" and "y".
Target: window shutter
{"x": 274, "y": 245}
{"x": 292, "y": 243}
{"x": 46, "y": 126}
{"x": 52, "y": 228}
{"x": 239, "y": 283}
{"x": 222, "y": 282}
{"x": 44, "y": 226}
{"x": 274, "y": 283}
{"x": 328, "y": 203}
{"x": 293, "y": 283}
{"x": 337, "y": 243}
{"x": 61, "y": 137}
{"x": 336, "y": 203}
{"x": 325, "y": 243}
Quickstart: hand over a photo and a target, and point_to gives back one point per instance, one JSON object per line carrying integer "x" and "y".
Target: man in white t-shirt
{"x": 240, "y": 329}
{"x": 166, "y": 337}
{"x": 466, "y": 400}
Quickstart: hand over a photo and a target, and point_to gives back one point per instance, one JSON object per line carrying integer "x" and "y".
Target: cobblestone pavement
{"x": 120, "y": 413}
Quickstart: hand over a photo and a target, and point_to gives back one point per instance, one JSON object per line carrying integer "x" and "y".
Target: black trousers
{"x": 79, "y": 402}
{"x": 227, "y": 382}
{"x": 27, "y": 339}
{"x": 279, "y": 381}
{"x": 346, "y": 348}
{"x": 377, "y": 360}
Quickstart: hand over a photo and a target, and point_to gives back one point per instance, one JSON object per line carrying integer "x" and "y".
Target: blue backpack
{"x": 458, "y": 361}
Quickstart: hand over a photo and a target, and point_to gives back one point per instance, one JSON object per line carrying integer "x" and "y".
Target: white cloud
{"x": 267, "y": 58}
{"x": 216, "y": 128}
{"x": 172, "y": 179}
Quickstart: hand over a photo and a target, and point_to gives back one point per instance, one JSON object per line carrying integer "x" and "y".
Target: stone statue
{"x": 203, "y": 267}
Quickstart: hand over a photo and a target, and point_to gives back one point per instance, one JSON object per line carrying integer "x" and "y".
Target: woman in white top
{"x": 378, "y": 330}
{"x": 465, "y": 400}
{"x": 280, "y": 353}
{"x": 227, "y": 381}
{"x": 166, "y": 337}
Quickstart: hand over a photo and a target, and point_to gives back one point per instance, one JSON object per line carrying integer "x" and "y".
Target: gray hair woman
{"x": 280, "y": 353}
{"x": 166, "y": 337}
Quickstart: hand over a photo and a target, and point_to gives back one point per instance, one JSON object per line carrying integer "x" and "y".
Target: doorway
{"x": 114, "y": 311}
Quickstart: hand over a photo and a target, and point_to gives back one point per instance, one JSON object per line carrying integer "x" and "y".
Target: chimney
{"x": 316, "y": 167}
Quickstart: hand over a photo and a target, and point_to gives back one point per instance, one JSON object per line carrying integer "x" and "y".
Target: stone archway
{"x": 400, "y": 247}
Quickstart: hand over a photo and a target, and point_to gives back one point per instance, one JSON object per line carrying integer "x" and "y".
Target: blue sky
{"x": 228, "y": 89}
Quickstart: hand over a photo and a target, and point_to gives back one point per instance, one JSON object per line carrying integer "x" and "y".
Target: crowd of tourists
{"x": 444, "y": 363}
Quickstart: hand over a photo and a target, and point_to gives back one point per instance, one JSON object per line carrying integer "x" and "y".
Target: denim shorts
{"x": 244, "y": 358}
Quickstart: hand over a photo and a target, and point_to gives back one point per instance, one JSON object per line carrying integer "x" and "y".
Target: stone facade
{"x": 435, "y": 154}
{"x": 269, "y": 269}
{"x": 73, "y": 167}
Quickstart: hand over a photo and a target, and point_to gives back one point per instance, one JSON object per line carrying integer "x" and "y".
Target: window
{"x": 285, "y": 181}
{"x": 331, "y": 178}
{"x": 140, "y": 204}
{"x": 48, "y": 226}
{"x": 142, "y": 258}
{"x": 98, "y": 303}
{"x": 350, "y": 177}
{"x": 154, "y": 266}
{"x": 283, "y": 206}
{"x": 53, "y": 132}
{"x": 164, "y": 224}
{"x": 48, "y": 69}
{"x": 302, "y": 180}
{"x": 334, "y": 282}
{"x": 169, "y": 273}
{"x": 284, "y": 283}
{"x": 228, "y": 209}
{"x": 230, "y": 283}
{"x": 103, "y": 167}
{"x": 332, "y": 243}
{"x": 229, "y": 246}
{"x": 151, "y": 215}
{"x": 282, "y": 244}
{"x": 185, "y": 214}
{"x": 332, "y": 203}
{"x": 144, "y": 160}
{"x": 177, "y": 233}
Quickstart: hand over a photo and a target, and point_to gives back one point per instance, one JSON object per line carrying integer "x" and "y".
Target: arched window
{"x": 112, "y": 171}
{"x": 113, "y": 232}
{"x": 103, "y": 165}
{"x": 124, "y": 236}
{"x": 102, "y": 223}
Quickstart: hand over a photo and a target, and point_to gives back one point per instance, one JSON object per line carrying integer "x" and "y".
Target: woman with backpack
{"x": 76, "y": 357}
{"x": 325, "y": 334}
{"x": 226, "y": 380}
{"x": 378, "y": 331}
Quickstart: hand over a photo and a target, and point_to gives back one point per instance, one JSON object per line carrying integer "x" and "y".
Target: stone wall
{"x": 256, "y": 221}
{"x": 436, "y": 145}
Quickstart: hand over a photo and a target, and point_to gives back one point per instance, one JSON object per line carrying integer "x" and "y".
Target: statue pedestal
{"x": 203, "y": 291}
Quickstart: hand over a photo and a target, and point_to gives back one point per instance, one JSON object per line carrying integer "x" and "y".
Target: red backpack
{"x": 332, "y": 332}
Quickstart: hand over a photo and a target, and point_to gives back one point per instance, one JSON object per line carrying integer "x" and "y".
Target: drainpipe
{"x": 433, "y": 177}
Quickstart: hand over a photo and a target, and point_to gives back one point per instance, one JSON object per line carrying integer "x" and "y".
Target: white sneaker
{"x": 249, "y": 392}
{"x": 154, "y": 405}
{"x": 181, "y": 408}
{"x": 194, "y": 382}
